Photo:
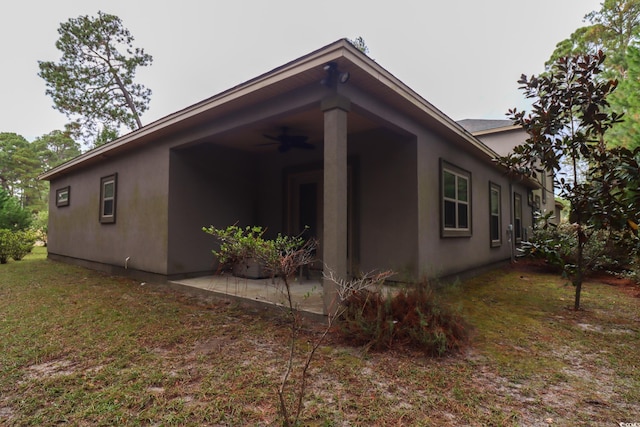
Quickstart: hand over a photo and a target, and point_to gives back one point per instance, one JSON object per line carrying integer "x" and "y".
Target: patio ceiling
{"x": 308, "y": 123}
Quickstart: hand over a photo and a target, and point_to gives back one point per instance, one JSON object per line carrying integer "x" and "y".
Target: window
{"x": 495, "y": 215}
{"x": 517, "y": 217}
{"x": 537, "y": 205}
{"x": 62, "y": 197}
{"x": 108, "y": 191}
{"x": 456, "y": 201}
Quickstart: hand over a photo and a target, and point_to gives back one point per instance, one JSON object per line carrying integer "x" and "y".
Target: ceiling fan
{"x": 287, "y": 141}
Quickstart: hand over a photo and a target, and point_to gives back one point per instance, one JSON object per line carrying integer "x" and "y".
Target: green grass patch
{"x": 83, "y": 348}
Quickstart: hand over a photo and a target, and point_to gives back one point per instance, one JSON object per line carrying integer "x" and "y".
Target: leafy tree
{"x": 93, "y": 83}
{"x": 20, "y": 164}
{"x": 10, "y": 145}
{"x": 569, "y": 118}
{"x": 12, "y": 215}
{"x": 612, "y": 29}
{"x": 626, "y": 98}
{"x": 40, "y": 226}
{"x": 56, "y": 147}
{"x": 616, "y": 25}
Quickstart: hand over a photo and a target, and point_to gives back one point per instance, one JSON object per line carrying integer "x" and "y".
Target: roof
{"x": 308, "y": 69}
{"x": 483, "y": 126}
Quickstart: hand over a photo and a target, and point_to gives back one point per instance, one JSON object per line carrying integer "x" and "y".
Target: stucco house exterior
{"x": 381, "y": 177}
{"x": 501, "y": 136}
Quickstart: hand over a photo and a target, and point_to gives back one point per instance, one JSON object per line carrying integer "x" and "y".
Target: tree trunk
{"x": 577, "y": 282}
{"x": 128, "y": 98}
{"x": 578, "y": 285}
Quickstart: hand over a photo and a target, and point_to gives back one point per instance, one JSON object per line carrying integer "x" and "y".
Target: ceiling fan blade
{"x": 287, "y": 142}
{"x": 275, "y": 138}
{"x": 283, "y": 148}
{"x": 305, "y": 145}
{"x": 296, "y": 139}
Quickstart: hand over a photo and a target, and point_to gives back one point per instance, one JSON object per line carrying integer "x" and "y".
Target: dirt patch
{"x": 539, "y": 266}
{"x": 6, "y": 414}
{"x": 50, "y": 369}
{"x": 534, "y": 265}
{"x": 626, "y": 284}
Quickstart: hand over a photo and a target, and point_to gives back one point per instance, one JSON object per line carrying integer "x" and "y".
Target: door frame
{"x": 293, "y": 178}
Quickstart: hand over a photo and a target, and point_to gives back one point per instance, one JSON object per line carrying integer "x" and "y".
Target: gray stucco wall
{"x": 209, "y": 185}
{"x": 435, "y": 255}
{"x": 443, "y": 256}
{"x": 140, "y": 231}
{"x": 386, "y": 201}
{"x": 167, "y": 192}
{"x": 503, "y": 143}
{"x": 219, "y": 186}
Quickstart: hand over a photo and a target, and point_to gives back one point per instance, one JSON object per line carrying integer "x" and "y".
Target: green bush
{"x": 607, "y": 250}
{"x": 40, "y": 226}
{"x": 412, "y": 317}
{"x": 15, "y": 244}
{"x": 23, "y": 242}
{"x": 239, "y": 244}
{"x": 6, "y": 245}
{"x": 12, "y": 215}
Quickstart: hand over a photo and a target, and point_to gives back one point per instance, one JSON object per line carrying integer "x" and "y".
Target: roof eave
{"x": 312, "y": 60}
{"x": 496, "y": 130}
{"x": 418, "y": 101}
{"x": 340, "y": 49}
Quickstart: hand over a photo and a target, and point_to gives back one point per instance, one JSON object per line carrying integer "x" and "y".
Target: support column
{"x": 334, "y": 237}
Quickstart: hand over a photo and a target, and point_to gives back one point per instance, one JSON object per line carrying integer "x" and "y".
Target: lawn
{"x": 82, "y": 348}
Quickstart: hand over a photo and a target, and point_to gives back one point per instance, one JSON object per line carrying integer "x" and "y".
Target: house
{"x": 332, "y": 141}
{"x": 502, "y": 136}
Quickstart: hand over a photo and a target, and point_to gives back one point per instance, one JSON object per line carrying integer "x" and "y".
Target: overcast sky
{"x": 463, "y": 56}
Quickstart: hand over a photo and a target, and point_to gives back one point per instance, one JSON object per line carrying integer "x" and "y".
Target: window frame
{"x": 60, "y": 191}
{"x": 108, "y": 218}
{"x": 457, "y": 231}
{"x": 493, "y": 187}
{"x": 517, "y": 219}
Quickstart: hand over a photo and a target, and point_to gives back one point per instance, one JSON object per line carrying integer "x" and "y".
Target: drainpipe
{"x": 512, "y": 240}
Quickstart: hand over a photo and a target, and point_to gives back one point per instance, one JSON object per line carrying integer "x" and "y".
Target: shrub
{"x": 15, "y": 244}
{"x": 607, "y": 250}
{"x": 239, "y": 244}
{"x": 6, "y": 245}
{"x": 412, "y": 317}
{"x": 40, "y": 226}
{"x": 23, "y": 242}
{"x": 12, "y": 215}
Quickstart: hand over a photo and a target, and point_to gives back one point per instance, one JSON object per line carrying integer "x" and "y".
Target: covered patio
{"x": 322, "y": 157}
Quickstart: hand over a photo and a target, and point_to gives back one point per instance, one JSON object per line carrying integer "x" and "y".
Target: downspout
{"x": 512, "y": 241}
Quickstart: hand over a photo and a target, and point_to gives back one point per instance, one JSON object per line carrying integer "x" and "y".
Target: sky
{"x": 463, "y": 56}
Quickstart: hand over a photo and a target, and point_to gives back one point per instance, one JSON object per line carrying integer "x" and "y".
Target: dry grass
{"x": 82, "y": 348}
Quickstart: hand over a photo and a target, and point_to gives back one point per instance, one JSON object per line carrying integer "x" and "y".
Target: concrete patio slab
{"x": 306, "y": 293}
